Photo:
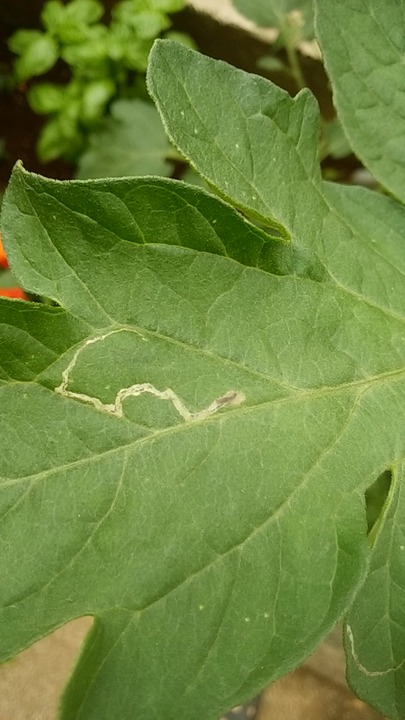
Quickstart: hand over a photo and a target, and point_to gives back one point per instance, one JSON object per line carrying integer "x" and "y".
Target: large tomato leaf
{"x": 188, "y": 460}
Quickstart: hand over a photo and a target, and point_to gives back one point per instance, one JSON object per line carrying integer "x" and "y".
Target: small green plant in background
{"x": 91, "y": 118}
{"x": 105, "y": 62}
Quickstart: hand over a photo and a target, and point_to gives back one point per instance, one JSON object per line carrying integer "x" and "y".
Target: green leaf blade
{"x": 50, "y": 208}
{"x": 269, "y": 131}
{"x": 363, "y": 46}
{"x": 38, "y": 57}
{"x": 34, "y": 338}
{"x": 355, "y": 235}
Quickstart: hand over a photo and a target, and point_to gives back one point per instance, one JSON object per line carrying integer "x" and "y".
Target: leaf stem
{"x": 295, "y": 67}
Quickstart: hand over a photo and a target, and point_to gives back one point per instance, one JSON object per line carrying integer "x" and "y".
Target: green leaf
{"x": 69, "y": 22}
{"x": 47, "y": 97}
{"x": 85, "y": 11}
{"x": 363, "y": 46}
{"x": 37, "y": 57}
{"x": 181, "y": 37}
{"x": 336, "y": 143}
{"x": 95, "y": 97}
{"x": 274, "y": 13}
{"x": 131, "y": 142}
{"x": 89, "y": 53}
{"x": 164, "y": 6}
{"x": 53, "y": 15}
{"x": 137, "y": 53}
{"x": 151, "y": 24}
{"x": 375, "y": 631}
{"x": 269, "y": 129}
{"x": 61, "y": 136}
{"x": 146, "y": 22}
{"x": 20, "y": 41}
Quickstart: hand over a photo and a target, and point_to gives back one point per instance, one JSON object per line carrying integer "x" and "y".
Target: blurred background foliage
{"x": 106, "y": 61}
{"x": 76, "y": 70}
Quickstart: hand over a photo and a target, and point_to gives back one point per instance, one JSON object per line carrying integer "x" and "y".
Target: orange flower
{"x": 3, "y": 259}
{"x": 13, "y": 292}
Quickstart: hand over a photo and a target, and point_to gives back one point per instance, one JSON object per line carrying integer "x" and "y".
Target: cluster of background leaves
{"x": 106, "y": 61}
